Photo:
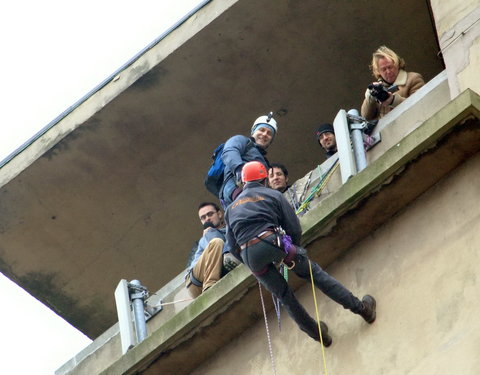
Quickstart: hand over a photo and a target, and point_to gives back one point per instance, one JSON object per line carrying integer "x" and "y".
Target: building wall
{"x": 422, "y": 267}
{"x": 458, "y": 30}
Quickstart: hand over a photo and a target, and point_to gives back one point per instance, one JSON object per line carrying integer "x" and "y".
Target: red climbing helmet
{"x": 253, "y": 170}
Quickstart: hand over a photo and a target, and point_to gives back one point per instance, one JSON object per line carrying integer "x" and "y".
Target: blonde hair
{"x": 385, "y": 53}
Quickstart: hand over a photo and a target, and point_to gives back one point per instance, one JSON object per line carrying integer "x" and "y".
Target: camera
{"x": 380, "y": 92}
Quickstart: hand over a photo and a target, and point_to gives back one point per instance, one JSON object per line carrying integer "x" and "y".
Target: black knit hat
{"x": 325, "y": 128}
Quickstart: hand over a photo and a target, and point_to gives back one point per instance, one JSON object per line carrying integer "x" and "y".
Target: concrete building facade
{"x": 405, "y": 229}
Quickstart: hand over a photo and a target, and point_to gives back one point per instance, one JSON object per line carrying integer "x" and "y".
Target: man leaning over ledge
{"x": 389, "y": 70}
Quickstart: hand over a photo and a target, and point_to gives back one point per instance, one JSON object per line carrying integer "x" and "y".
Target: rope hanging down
{"x": 318, "y": 319}
{"x": 268, "y": 331}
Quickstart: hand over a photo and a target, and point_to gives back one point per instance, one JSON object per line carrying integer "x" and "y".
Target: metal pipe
{"x": 357, "y": 141}
{"x": 138, "y": 310}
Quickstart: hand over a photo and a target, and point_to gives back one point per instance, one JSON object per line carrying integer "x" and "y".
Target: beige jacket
{"x": 407, "y": 84}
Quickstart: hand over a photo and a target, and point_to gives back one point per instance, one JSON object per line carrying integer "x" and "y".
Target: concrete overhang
{"x": 109, "y": 191}
{"x": 364, "y": 203}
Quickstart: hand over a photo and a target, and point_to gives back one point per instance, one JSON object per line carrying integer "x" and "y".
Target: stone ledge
{"x": 390, "y": 183}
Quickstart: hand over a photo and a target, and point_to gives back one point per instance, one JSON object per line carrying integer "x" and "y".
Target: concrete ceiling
{"x": 115, "y": 195}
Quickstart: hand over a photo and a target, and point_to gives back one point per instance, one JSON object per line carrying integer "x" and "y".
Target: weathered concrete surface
{"x": 458, "y": 28}
{"x": 111, "y": 190}
{"x": 345, "y": 221}
{"x": 407, "y": 118}
{"x": 422, "y": 265}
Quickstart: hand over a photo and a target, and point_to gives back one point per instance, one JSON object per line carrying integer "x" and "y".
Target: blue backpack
{"x": 214, "y": 178}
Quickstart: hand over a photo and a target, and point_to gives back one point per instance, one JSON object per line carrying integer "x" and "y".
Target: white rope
{"x": 268, "y": 331}
{"x": 173, "y": 302}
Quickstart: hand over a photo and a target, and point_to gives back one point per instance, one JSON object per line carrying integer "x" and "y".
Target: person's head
{"x": 264, "y": 130}
{"x": 278, "y": 177}
{"x": 254, "y": 171}
{"x": 326, "y": 138}
{"x": 210, "y": 212}
{"x": 386, "y": 64}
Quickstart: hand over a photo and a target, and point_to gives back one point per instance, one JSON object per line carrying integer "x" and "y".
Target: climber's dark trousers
{"x": 260, "y": 258}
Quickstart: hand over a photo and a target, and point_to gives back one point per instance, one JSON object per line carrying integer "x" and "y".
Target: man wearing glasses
{"x": 212, "y": 259}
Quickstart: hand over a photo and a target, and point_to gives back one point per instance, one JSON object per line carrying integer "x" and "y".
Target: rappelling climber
{"x": 263, "y": 230}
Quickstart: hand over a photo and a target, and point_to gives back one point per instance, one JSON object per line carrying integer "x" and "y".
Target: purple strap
{"x": 290, "y": 249}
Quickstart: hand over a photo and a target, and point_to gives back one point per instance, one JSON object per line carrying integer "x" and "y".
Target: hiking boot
{"x": 229, "y": 262}
{"x": 327, "y": 339}
{"x": 369, "y": 309}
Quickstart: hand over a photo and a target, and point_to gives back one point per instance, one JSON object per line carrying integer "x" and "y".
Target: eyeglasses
{"x": 208, "y": 214}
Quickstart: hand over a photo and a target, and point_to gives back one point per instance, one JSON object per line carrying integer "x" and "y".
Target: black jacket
{"x": 257, "y": 209}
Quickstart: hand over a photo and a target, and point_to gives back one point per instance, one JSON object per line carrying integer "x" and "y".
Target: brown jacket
{"x": 407, "y": 84}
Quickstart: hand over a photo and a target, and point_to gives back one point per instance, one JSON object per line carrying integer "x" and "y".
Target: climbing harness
{"x": 268, "y": 331}
{"x": 318, "y": 318}
{"x": 289, "y": 249}
{"x": 317, "y": 189}
{"x": 192, "y": 279}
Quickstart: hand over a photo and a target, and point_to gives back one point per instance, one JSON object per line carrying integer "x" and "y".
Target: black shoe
{"x": 326, "y": 338}
{"x": 369, "y": 312}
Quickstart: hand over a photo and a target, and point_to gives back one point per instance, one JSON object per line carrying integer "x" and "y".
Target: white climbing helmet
{"x": 267, "y": 120}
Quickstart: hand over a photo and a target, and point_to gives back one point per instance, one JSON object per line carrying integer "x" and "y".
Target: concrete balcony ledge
{"x": 395, "y": 126}
{"x": 395, "y": 178}
{"x": 390, "y": 182}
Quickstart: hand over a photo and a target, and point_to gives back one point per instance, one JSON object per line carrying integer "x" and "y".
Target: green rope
{"x": 285, "y": 273}
{"x": 320, "y": 186}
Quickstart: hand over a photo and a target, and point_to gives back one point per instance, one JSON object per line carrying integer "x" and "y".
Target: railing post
{"x": 138, "y": 293}
{"x": 128, "y": 297}
{"x": 356, "y": 128}
{"x": 345, "y": 155}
